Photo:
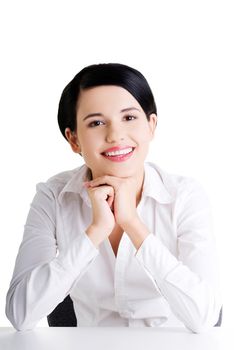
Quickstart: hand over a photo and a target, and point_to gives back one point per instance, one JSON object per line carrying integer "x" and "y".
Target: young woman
{"x": 130, "y": 243}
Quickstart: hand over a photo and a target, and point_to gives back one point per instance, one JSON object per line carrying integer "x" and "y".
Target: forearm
{"x": 35, "y": 292}
{"x": 194, "y": 300}
{"x": 137, "y": 232}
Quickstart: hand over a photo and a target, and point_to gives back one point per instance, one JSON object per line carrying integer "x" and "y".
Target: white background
{"x": 185, "y": 51}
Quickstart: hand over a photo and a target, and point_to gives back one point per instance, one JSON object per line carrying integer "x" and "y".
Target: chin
{"x": 121, "y": 172}
{"x": 117, "y": 169}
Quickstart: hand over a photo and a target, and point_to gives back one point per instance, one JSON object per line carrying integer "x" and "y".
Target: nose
{"x": 114, "y": 134}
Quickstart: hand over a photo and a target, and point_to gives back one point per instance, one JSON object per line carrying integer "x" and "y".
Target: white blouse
{"x": 171, "y": 280}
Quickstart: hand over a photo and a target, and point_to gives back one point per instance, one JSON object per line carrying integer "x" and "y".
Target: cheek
{"x": 88, "y": 144}
{"x": 91, "y": 150}
{"x": 144, "y": 137}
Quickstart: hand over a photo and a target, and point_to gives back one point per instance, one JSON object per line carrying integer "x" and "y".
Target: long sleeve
{"x": 43, "y": 276}
{"x": 189, "y": 281}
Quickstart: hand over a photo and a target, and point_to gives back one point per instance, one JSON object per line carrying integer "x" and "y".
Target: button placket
{"x": 121, "y": 265}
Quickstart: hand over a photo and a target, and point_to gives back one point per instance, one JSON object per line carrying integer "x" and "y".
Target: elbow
{"x": 21, "y": 327}
{"x": 24, "y": 327}
{"x": 199, "y": 328}
{"x": 16, "y": 315}
{"x": 206, "y": 323}
{"x": 19, "y": 324}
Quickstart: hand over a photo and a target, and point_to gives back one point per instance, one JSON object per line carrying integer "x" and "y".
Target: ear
{"x": 73, "y": 140}
{"x": 153, "y": 123}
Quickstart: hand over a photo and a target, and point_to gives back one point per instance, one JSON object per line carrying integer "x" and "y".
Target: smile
{"x": 119, "y": 156}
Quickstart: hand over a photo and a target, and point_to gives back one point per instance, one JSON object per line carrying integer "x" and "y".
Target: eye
{"x": 94, "y": 123}
{"x": 97, "y": 122}
{"x": 131, "y": 116}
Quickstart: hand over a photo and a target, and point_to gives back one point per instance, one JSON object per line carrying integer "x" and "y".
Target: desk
{"x": 100, "y": 338}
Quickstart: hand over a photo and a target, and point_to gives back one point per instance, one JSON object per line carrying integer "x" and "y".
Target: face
{"x": 113, "y": 127}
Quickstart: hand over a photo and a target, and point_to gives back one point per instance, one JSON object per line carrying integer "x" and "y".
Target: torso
{"x": 115, "y": 238}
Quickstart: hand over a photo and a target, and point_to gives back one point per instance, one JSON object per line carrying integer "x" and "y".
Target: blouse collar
{"x": 156, "y": 184}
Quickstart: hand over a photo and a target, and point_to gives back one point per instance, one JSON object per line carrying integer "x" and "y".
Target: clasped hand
{"x": 118, "y": 193}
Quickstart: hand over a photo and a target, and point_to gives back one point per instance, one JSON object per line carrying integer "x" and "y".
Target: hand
{"x": 124, "y": 193}
{"x": 103, "y": 219}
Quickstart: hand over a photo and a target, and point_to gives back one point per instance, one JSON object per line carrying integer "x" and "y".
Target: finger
{"x": 110, "y": 200}
{"x": 86, "y": 184}
{"x": 102, "y": 180}
{"x": 104, "y": 190}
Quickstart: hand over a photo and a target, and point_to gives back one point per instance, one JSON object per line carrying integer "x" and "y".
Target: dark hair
{"x": 103, "y": 74}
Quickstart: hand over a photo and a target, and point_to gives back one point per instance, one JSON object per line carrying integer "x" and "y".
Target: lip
{"x": 117, "y": 148}
{"x": 121, "y": 157}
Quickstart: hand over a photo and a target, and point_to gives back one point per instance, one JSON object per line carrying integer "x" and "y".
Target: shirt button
{"x": 125, "y": 314}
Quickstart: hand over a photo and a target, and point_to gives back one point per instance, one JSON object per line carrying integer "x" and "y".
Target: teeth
{"x": 117, "y": 153}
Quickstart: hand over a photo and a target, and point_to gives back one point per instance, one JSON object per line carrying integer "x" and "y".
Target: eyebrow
{"x": 101, "y": 115}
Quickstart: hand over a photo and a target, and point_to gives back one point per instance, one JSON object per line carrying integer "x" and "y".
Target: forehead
{"x": 104, "y": 99}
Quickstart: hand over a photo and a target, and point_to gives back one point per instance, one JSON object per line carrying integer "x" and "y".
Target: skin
{"x": 116, "y": 188}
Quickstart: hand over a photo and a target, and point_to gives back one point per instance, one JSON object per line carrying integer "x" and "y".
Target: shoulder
{"x": 62, "y": 178}
{"x": 58, "y": 182}
{"x": 178, "y": 186}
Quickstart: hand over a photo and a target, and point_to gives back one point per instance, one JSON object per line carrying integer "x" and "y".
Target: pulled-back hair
{"x": 103, "y": 74}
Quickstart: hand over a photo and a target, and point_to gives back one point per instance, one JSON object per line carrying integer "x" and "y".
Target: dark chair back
{"x": 64, "y": 315}
{"x": 218, "y": 324}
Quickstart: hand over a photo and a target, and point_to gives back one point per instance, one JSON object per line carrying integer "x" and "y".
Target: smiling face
{"x": 116, "y": 126}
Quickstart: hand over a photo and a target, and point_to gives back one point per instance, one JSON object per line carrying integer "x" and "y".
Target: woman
{"x": 131, "y": 244}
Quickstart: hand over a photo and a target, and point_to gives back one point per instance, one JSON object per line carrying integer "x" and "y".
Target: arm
{"x": 41, "y": 278}
{"x": 189, "y": 282}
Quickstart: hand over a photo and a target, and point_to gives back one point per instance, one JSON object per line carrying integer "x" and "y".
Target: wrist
{"x": 97, "y": 234}
{"x": 132, "y": 224}
{"x": 93, "y": 235}
{"x": 137, "y": 232}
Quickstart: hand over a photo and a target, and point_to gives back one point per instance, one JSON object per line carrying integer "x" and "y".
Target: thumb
{"x": 110, "y": 201}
